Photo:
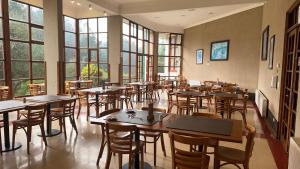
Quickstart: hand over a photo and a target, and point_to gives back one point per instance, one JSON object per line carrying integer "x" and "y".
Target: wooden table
{"x": 138, "y": 86}
{"x": 5, "y": 108}
{"x": 49, "y": 100}
{"x": 97, "y": 91}
{"x": 235, "y": 136}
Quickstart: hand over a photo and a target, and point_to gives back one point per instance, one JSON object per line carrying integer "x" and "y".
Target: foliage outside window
{"x": 137, "y": 52}
{"x": 169, "y": 55}
{"x": 26, "y": 46}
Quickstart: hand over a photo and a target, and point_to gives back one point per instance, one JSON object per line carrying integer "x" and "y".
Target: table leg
{"x": 137, "y": 154}
{"x": 7, "y": 145}
{"x": 49, "y": 131}
{"x": 97, "y": 105}
{"x": 139, "y": 94}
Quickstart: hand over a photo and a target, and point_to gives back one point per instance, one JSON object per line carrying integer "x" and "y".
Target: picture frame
{"x": 271, "y": 52}
{"x": 199, "y": 56}
{"x": 219, "y": 50}
{"x": 265, "y": 43}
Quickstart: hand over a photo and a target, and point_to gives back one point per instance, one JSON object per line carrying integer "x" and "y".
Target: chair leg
{"x": 79, "y": 110}
{"x": 64, "y": 126}
{"x": 163, "y": 144}
{"x": 108, "y": 159}
{"x": 216, "y": 163}
{"x": 14, "y": 136}
{"x": 120, "y": 160}
{"x": 28, "y": 139}
{"x": 130, "y": 161}
{"x": 154, "y": 150}
{"x": 60, "y": 125}
{"x": 101, "y": 146}
{"x": 72, "y": 120}
{"x": 0, "y": 142}
{"x": 43, "y": 134}
{"x": 142, "y": 158}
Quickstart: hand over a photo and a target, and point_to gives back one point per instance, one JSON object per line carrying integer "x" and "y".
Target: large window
{"x": 2, "y": 68}
{"x": 137, "y": 52}
{"x": 26, "y": 46}
{"x": 93, "y": 49}
{"x": 70, "y": 48}
{"x": 169, "y": 55}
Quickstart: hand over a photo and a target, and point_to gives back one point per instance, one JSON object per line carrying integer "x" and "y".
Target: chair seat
{"x": 24, "y": 122}
{"x": 150, "y": 133}
{"x": 133, "y": 148}
{"x": 57, "y": 109}
{"x": 230, "y": 155}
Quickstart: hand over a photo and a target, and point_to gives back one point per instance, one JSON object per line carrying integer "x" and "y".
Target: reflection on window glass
{"x": 70, "y": 54}
{"x": 18, "y": 31}
{"x": 37, "y": 52}
{"x": 37, "y": 16}
{"x": 70, "y": 39}
{"x": 38, "y": 70}
{"x": 37, "y": 34}
{"x": 83, "y": 38}
{"x": 93, "y": 40}
{"x": 18, "y": 11}
{"x": 19, "y": 50}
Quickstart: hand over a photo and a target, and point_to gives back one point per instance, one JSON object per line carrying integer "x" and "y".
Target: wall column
{"x": 53, "y": 33}
{"x": 114, "y": 47}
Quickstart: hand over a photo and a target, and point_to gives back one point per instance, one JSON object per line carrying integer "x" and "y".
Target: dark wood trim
{"x": 211, "y": 45}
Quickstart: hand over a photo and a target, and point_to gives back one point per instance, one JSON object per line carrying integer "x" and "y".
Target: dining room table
{"x": 97, "y": 92}
{"x": 139, "y": 86}
{"x": 7, "y": 107}
{"x": 219, "y": 129}
{"x": 49, "y": 100}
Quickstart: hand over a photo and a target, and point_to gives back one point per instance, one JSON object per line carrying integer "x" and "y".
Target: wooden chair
{"x": 171, "y": 101}
{"x": 70, "y": 88}
{"x": 83, "y": 98}
{"x": 1, "y": 126}
{"x": 4, "y": 93}
{"x": 35, "y": 117}
{"x": 103, "y": 132}
{"x": 110, "y": 99}
{"x": 236, "y": 156}
{"x": 183, "y": 159}
{"x": 240, "y": 108}
{"x": 123, "y": 145}
{"x": 183, "y": 104}
{"x": 127, "y": 97}
{"x": 68, "y": 108}
{"x": 154, "y": 135}
{"x": 35, "y": 89}
{"x": 222, "y": 106}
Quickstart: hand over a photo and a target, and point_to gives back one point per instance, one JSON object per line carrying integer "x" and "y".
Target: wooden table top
{"x": 100, "y": 90}
{"x": 140, "y": 83}
{"x": 13, "y": 105}
{"x": 47, "y": 98}
{"x": 191, "y": 93}
{"x": 226, "y": 95}
{"x": 235, "y": 136}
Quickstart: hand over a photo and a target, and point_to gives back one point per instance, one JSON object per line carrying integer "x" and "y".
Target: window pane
{"x": 19, "y": 50}
{"x": 93, "y": 25}
{"x": 70, "y": 39}
{"x": 146, "y": 46}
{"x": 102, "y": 22}
{"x": 151, "y": 49}
{"x": 2, "y": 70}
{"x": 70, "y": 54}
{"x": 163, "y": 50}
{"x": 19, "y": 31}
{"x": 93, "y": 40}
{"x": 133, "y": 44}
{"x": 1, "y": 50}
{"x": 37, "y": 34}
{"x": 84, "y": 55}
{"x": 37, "y": 16}
{"x": 1, "y": 28}
{"x": 125, "y": 72}
{"x": 102, "y": 40}
{"x": 140, "y": 32}
{"x": 103, "y": 68}
{"x": 103, "y": 56}
{"x": 18, "y": 11}
{"x": 125, "y": 58}
{"x": 20, "y": 87}
{"x": 38, "y": 70}
{"x": 20, "y": 69}
{"x": 162, "y": 61}
{"x": 133, "y": 72}
{"x": 83, "y": 41}
{"x": 133, "y": 59}
{"x": 84, "y": 70}
{"x": 140, "y": 46}
{"x": 70, "y": 69}
{"x": 37, "y": 52}
{"x": 125, "y": 27}
{"x": 93, "y": 54}
{"x": 83, "y": 25}
{"x": 125, "y": 43}
{"x": 163, "y": 38}
{"x": 70, "y": 24}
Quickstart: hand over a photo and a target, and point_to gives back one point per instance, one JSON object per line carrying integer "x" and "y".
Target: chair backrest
{"x": 36, "y": 114}
{"x": 221, "y": 105}
{"x": 68, "y": 106}
{"x": 250, "y": 141}
{"x": 181, "y": 97}
{"x": 185, "y": 159}
{"x": 107, "y": 112}
{"x": 34, "y": 89}
{"x": 155, "y": 109}
{"x": 209, "y": 115}
{"x": 4, "y": 93}
{"x": 116, "y": 140}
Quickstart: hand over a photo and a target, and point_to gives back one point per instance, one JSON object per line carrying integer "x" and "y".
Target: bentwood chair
{"x": 4, "y": 93}
{"x": 171, "y": 100}
{"x": 184, "y": 159}
{"x": 123, "y": 145}
{"x": 183, "y": 104}
{"x": 35, "y": 89}
{"x": 35, "y": 117}
{"x": 235, "y": 156}
{"x": 241, "y": 108}
{"x": 103, "y": 132}
{"x": 154, "y": 136}
{"x": 83, "y": 98}
{"x": 68, "y": 108}
{"x": 1, "y": 126}
{"x": 127, "y": 97}
{"x": 222, "y": 106}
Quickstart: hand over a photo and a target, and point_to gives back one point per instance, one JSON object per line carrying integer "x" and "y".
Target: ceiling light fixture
{"x": 90, "y": 7}
{"x": 72, "y": 2}
{"x": 104, "y": 13}
{"x": 78, "y": 3}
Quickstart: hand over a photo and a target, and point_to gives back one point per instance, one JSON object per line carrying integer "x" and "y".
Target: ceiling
{"x": 160, "y": 15}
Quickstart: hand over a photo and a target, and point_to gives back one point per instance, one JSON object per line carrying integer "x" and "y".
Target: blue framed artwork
{"x": 219, "y": 50}
{"x": 199, "y": 56}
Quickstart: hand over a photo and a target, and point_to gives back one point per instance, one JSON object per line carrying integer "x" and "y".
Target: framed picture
{"x": 271, "y": 52}
{"x": 264, "y": 44}
{"x": 219, "y": 51}
{"x": 199, "y": 56}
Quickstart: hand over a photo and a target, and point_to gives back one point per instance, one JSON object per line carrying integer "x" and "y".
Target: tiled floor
{"x": 81, "y": 151}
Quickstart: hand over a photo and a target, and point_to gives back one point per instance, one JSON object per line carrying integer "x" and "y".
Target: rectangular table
{"x": 235, "y": 135}
{"x": 49, "y": 99}
{"x": 6, "y": 107}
